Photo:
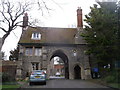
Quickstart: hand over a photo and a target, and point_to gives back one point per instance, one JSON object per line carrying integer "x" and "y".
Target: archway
{"x": 63, "y": 56}
{"x": 77, "y": 72}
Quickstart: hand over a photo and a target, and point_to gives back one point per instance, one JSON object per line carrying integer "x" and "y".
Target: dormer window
{"x": 36, "y": 36}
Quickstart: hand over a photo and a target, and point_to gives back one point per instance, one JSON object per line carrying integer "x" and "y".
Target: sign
{"x": 95, "y": 69}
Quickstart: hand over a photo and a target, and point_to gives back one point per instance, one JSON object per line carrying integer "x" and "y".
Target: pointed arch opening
{"x": 63, "y": 57}
{"x": 77, "y": 72}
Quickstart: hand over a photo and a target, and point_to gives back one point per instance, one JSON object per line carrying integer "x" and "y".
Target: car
{"x": 57, "y": 74}
{"x": 37, "y": 76}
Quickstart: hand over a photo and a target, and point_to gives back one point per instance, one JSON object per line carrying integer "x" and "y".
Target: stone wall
{"x": 79, "y": 59}
{"x": 75, "y": 55}
{"x": 10, "y": 68}
{"x": 27, "y": 64}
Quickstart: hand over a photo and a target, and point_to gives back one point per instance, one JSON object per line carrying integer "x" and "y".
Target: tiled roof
{"x": 50, "y": 35}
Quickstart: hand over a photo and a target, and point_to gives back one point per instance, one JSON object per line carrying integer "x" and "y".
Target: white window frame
{"x": 36, "y": 36}
{"x": 38, "y": 52}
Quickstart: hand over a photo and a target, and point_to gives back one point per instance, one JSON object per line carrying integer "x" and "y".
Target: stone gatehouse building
{"x": 39, "y": 45}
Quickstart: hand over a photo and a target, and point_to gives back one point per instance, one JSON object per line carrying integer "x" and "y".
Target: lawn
{"x": 9, "y": 86}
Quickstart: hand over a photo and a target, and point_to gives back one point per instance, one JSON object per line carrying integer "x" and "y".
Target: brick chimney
{"x": 25, "y": 20}
{"x": 79, "y": 17}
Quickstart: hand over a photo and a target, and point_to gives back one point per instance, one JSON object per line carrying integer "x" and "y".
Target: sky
{"x": 62, "y": 14}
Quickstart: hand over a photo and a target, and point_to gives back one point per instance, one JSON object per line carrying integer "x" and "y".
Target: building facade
{"x": 39, "y": 45}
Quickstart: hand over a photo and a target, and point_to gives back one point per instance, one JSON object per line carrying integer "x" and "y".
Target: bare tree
{"x": 10, "y": 14}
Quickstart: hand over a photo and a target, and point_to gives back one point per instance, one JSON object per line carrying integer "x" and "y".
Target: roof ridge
{"x": 53, "y": 27}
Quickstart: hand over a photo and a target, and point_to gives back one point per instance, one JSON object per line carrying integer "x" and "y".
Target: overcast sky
{"x": 63, "y": 14}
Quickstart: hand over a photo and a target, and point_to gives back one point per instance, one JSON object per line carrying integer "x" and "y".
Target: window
{"x": 28, "y": 52}
{"x": 38, "y": 52}
{"x": 35, "y": 66}
{"x": 36, "y": 36}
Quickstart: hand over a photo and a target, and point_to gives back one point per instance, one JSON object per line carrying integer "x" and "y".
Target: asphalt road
{"x": 65, "y": 83}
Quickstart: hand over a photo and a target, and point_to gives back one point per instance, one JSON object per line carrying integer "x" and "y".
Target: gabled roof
{"x": 50, "y": 35}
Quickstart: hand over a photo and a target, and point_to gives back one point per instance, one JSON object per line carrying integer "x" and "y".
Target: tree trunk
{"x": 1, "y": 43}
{"x": 3, "y": 40}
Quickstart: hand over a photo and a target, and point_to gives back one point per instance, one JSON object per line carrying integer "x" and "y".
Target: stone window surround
{"x": 35, "y": 65}
{"x": 33, "y": 51}
{"x": 28, "y": 51}
{"x": 38, "y": 52}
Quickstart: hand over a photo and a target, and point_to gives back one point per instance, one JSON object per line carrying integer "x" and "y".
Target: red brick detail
{"x": 58, "y": 66}
{"x": 79, "y": 18}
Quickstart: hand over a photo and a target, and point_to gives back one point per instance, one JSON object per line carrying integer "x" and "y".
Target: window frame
{"x": 36, "y": 36}
{"x": 38, "y": 52}
{"x": 28, "y": 51}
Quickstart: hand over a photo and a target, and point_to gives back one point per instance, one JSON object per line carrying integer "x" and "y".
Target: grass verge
{"x": 102, "y": 82}
{"x": 10, "y": 87}
{"x": 114, "y": 85}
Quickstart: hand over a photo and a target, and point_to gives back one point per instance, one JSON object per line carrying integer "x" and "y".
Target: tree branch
{"x": 15, "y": 34}
{"x": 16, "y": 24}
{"x": 24, "y": 8}
{"x": 3, "y": 29}
{"x": 46, "y": 6}
{"x": 9, "y": 11}
{"x": 39, "y": 5}
{"x": 5, "y": 16}
{"x": 18, "y": 9}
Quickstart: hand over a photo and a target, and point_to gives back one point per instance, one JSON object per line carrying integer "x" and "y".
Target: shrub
{"x": 7, "y": 77}
{"x": 117, "y": 79}
{"x": 113, "y": 77}
{"x": 110, "y": 79}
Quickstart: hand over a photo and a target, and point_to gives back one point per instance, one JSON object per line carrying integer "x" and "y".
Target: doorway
{"x": 77, "y": 72}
